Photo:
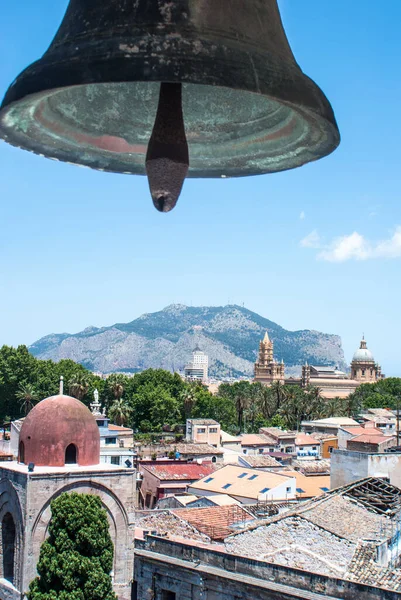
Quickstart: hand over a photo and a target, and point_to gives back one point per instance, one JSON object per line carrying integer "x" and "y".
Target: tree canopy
{"x": 154, "y": 399}
{"x": 76, "y": 560}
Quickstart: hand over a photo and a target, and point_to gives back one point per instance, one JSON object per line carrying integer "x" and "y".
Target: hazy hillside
{"x": 230, "y": 335}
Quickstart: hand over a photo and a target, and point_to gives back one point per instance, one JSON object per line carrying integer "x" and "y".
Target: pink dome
{"x": 59, "y": 430}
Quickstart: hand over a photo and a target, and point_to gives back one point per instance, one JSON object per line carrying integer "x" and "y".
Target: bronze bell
{"x": 221, "y": 72}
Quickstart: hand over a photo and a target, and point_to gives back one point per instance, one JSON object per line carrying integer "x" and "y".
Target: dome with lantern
{"x": 363, "y": 354}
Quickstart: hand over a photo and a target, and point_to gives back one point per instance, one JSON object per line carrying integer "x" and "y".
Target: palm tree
{"x": 241, "y": 403}
{"x": 120, "y": 412}
{"x": 266, "y": 402}
{"x": 278, "y": 392}
{"x": 333, "y": 408}
{"x": 188, "y": 398}
{"x": 117, "y": 388}
{"x": 78, "y": 386}
{"x": 27, "y": 395}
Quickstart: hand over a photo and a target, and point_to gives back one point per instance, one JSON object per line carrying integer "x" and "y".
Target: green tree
{"x": 188, "y": 400}
{"x": 76, "y": 560}
{"x": 120, "y": 412}
{"x": 78, "y": 385}
{"x": 27, "y": 396}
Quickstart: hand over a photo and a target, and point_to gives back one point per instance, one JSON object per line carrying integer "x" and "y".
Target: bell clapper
{"x": 167, "y": 158}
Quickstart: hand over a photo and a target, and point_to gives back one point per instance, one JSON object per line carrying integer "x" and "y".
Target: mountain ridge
{"x": 229, "y": 334}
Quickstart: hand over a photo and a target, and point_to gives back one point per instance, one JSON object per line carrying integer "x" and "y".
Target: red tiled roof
{"x": 367, "y": 438}
{"x": 179, "y": 471}
{"x": 214, "y": 521}
{"x": 119, "y": 428}
{"x": 303, "y": 439}
{"x": 254, "y": 439}
{"x": 362, "y": 430}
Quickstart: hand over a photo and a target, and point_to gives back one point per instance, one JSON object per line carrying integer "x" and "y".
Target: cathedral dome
{"x": 59, "y": 430}
{"x": 363, "y": 354}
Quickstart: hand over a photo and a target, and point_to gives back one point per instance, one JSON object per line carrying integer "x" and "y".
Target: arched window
{"x": 214, "y": 459}
{"x": 71, "y": 455}
{"x": 21, "y": 453}
{"x": 8, "y": 546}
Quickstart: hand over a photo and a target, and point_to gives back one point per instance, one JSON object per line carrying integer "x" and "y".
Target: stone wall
{"x": 27, "y": 497}
{"x": 194, "y": 572}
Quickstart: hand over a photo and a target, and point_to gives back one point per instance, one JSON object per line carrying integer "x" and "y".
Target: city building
{"x": 268, "y": 370}
{"x": 160, "y": 479}
{"x": 197, "y": 369}
{"x": 253, "y": 443}
{"x": 282, "y": 440}
{"x": 332, "y": 381}
{"x": 248, "y": 486}
{"x": 59, "y": 451}
{"x": 206, "y": 431}
{"x": 306, "y": 445}
{"x": 331, "y": 425}
{"x": 348, "y": 466}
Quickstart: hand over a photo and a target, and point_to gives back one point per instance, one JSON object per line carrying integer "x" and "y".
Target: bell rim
{"x": 62, "y": 156}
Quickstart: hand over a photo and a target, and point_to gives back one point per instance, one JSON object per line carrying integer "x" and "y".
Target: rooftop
{"x": 304, "y": 439}
{"x": 240, "y": 481}
{"x": 203, "y": 422}
{"x": 277, "y": 433}
{"x": 216, "y": 521}
{"x": 177, "y": 471}
{"x": 336, "y": 421}
{"x": 369, "y": 438}
{"x": 200, "y": 449}
{"x": 254, "y": 439}
{"x": 361, "y": 430}
{"x": 295, "y": 542}
{"x": 380, "y": 412}
{"x": 312, "y": 467}
{"x": 169, "y": 524}
{"x": 120, "y": 429}
{"x": 308, "y": 486}
{"x": 260, "y": 460}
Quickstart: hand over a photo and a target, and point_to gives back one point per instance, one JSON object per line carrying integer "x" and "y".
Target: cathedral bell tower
{"x": 267, "y": 370}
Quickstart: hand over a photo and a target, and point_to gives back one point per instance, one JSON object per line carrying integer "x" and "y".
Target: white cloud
{"x": 345, "y": 248}
{"x": 311, "y": 241}
{"x": 302, "y": 215}
{"x": 354, "y": 247}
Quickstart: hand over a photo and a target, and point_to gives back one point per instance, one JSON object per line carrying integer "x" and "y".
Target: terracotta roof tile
{"x": 214, "y": 521}
{"x": 179, "y": 471}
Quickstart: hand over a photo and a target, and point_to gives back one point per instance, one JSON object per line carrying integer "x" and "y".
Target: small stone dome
{"x": 363, "y": 354}
{"x": 59, "y": 430}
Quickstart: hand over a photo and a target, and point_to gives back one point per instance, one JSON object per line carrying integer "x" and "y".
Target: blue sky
{"x": 315, "y": 248}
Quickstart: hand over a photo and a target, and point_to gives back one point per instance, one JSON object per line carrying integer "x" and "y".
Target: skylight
{"x": 209, "y": 479}
{"x": 225, "y": 487}
{"x": 324, "y": 489}
{"x": 242, "y": 475}
{"x": 252, "y": 477}
{"x": 300, "y": 491}
{"x": 264, "y": 490}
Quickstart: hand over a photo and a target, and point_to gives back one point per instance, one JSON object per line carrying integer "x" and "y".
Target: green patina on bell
{"x": 247, "y": 108}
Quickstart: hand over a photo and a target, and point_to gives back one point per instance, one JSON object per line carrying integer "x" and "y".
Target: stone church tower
{"x": 363, "y": 365}
{"x": 59, "y": 451}
{"x": 267, "y": 370}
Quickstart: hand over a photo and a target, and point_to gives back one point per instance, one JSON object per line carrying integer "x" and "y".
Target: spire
{"x": 363, "y": 345}
{"x": 61, "y": 385}
{"x": 266, "y": 338}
